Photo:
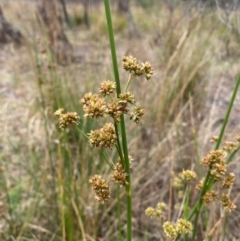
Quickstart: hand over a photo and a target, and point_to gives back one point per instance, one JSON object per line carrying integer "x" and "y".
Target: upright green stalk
{"x": 207, "y": 183}
{"x": 122, "y": 122}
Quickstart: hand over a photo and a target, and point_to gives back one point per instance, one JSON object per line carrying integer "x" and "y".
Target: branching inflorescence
{"x": 107, "y": 104}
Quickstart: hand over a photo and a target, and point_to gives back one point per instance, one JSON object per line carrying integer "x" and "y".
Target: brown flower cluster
{"x": 101, "y": 188}
{"x": 104, "y": 137}
{"x": 227, "y": 203}
{"x": 156, "y": 212}
{"x": 215, "y": 160}
{"x": 217, "y": 164}
{"x": 130, "y": 64}
{"x": 66, "y": 119}
{"x": 119, "y": 175}
{"x": 107, "y": 87}
{"x": 93, "y": 105}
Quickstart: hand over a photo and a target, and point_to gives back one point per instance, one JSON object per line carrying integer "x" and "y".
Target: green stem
{"x": 128, "y": 82}
{"x": 122, "y": 121}
{"x": 207, "y": 182}
{"x": 84, "y": 134}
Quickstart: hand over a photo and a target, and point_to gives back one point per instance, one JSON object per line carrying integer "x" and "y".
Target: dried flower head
{"x": 188, "y": 175}
{"x": 229, "y": 146}
{"x": 150, "y": 212}
{"x": 214, "y": 139}
{"x": 227, "y": 203}
{"x": 216, "y": 161}
{"x": 148, "y": 70}
{"x": 107, "y": 87}
{"x": 137, "y": 114}
{"x": 184, "y": 226}
{"x": 119, "y": 174}
{"x": 209, "y": 197}
{"x": 177, "y": 183}
{"x": 170, "y": 230}
{"x": 93, "y": 106}
{"x": 199, "y": 186}
{"x": 116, "y": 109}
{"x": 66, "y": 119}
{"x": 128, "y": 97}
{"x": 159, "y": 209}
{"x": 59, "y": 112}
{"x": 228, "y": 181}
{"x": 216, "y": 156}
{"x": 130, "y": 64}
{"x": 104, "y": 137}
{"x": 101, "y": 188}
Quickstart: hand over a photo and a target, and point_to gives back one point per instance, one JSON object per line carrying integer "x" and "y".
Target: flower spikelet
{"x": 59, "y": 112}
{"x": 101, "y": 188}
{"x": 228, "y": 181}
{"x": 170, "y": 230}
{"x": 188, "y": 175}
{"x": 199, "y": 186}
{"x": 216, "y": 156}
{"x": 93, "y": 106}
{"x": 150, "y": 212}
{"x": 184, "y": 226}
{"x": 130, "y": 64}
{"x": 107, "y": 87}
{"x": 227, "y": 203}
{"x": 104, "y": 137}
{"x": 119, "y": 175}
{"x": 177, "y": 183}
{"x": 216, "y": 161}
{"x": 66, "y": 119}
{"x": 229, "y": 146}
{"x": 116, "y": 109}
{"x": 148, "y": 70}
{"x": 209, "y": 197}
{"x": 128, "y": 97}
{"x": 159, "y": 209}
{"x": 137, "y": 114}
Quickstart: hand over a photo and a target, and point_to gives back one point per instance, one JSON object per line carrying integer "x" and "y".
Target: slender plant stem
{"x": 122, "y": 121}
{"x": 208, "y": 183}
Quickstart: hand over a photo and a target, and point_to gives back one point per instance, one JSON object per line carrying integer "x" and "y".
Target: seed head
{"x": 107, "y": 87}
{"x": 130, "y": 64}
{"x": 199, "y": 186}
{"x": 101, "y": 188}
{"x": 184, "y": 226}
{"x": 227, "y": 203}
{"x": 214, "y": 139}
{"x": 148, "y": 70}
{"x": 119, "y": 175}
{"x": 104, "y": 137}
{"x": 69, "y": 118}
{"x": 229, "y": 146}
{"x": 59, "y": 112}
{"x": 228, "y": 181}
{"x": 159, "y": 209}
{"x": 116, "y": 109}
{"x": 150, "y": 212}
{"x": 188, "y": 175}
{"x": 137, "y": 114}
{"x": 209, "y": 197}
{"x": 128, "y": 97}
{"x": 93, "y": 106}
{"x": 216, "y": 156}
{"x": 177, "y": 183}
{"x": 170, "y": 230}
